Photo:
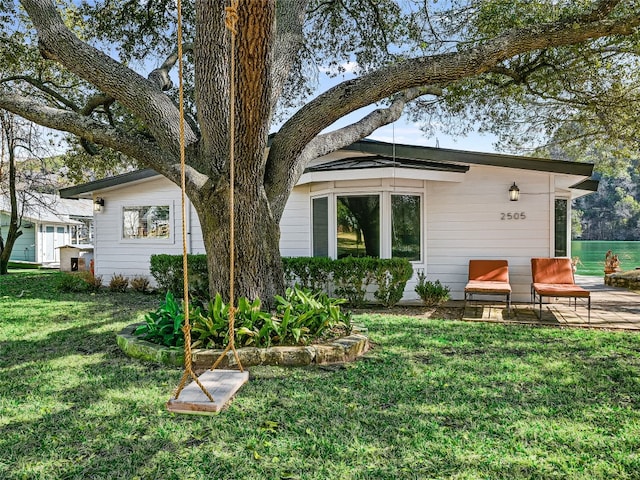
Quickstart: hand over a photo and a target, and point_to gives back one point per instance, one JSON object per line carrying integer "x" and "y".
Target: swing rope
{"x": 230, "y": 23}
{"x": 186, "y": 329}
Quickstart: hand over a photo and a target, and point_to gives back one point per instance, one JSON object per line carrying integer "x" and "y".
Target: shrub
{"x": 164, "y": 326}
{"x": 431, "y": 293}
{"x": 352, "y": 276}
{"x": 118, "y": 283}
{"x": 168, "y": 273}
{"x": 300, "y": 317}
{"x": 391, "y": 277}
{"x": 308, "y": 272}
{"x": 94, "y": 283}
{"x": 71, "y": 282}
{"x": 140, "y": 283}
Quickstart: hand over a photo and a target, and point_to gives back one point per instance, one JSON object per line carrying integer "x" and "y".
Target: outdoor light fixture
{"x": 98, "y": 204}
{"x": 514, "y": 192}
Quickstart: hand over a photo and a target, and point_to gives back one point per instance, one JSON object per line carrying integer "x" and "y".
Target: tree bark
{"x": 14, "y": 231}
{"x": 257, "y": 262}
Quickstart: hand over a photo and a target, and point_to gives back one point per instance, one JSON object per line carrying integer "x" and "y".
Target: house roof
{"x": 47, "y": 208}
{"x": 373, "y": 154}
{"x": 380, "y": 161}
{"x": 465, "y": 157}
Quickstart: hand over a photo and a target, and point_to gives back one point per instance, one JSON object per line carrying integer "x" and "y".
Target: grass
{"x": 433, "y": 399}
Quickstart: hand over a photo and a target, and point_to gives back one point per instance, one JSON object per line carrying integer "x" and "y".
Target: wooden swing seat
{"x": 221, "y": 384}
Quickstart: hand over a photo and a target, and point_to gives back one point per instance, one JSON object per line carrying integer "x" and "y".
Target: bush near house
{"x": 348, "y": 277}
{"x": 78, "y": 282}
{"x": 118, "y": 283}
{"x": 431, "y": 293}
{"x": 168, "y": 273}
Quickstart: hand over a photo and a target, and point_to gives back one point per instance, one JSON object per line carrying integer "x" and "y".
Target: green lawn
{"x": 433, "y": 399}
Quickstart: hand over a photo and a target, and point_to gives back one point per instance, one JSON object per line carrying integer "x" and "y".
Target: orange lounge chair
{"x": 553, "y": 277}
{"x": 488, "y": 277}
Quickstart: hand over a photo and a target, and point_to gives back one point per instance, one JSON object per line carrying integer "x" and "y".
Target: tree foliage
{"x": 103, "y": 71}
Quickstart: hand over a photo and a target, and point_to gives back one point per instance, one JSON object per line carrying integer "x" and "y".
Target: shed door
{"x": 53, "y": 237}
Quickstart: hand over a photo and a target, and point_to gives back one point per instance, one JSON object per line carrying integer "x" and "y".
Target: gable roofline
{"x": 381, "y": 161}
{"x": 477, "y": 158}
{"x": 106, "y": 183}
{"x": 397, "y": 152}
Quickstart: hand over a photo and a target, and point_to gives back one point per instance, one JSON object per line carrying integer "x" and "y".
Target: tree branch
{"x": 85, "y": 127}
{"x": 141, "y": 96}
{"x": 40, "y": 85}
{"x": 439, "y": 70}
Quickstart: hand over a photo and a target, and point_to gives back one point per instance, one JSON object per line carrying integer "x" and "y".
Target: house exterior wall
{"x": 24, "y": 250}
{"x": 470, "y": 220}
{"x": 461, "y": 220}
{"x": 130, "y": 257}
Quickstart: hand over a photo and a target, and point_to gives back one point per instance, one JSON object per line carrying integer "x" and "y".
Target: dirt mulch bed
{"x": 445, "y": 312}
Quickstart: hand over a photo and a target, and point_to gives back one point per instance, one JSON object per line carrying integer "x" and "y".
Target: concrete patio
{"x": 611, "y": 308}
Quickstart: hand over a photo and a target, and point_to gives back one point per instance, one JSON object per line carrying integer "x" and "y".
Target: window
{"x": 320, "y": 220}
{"x": 561, "y": 227}
{"x": 358, "y": 226}
{"x": 405, "y": 227}
{"x": 385, "y": 225}
{"x": 146, "y": 222}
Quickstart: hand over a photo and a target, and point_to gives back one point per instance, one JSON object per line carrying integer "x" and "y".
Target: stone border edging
{"x": 343, "y": 349}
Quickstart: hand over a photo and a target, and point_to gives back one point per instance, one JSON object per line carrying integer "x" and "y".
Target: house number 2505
{"x": 513, "y": 216}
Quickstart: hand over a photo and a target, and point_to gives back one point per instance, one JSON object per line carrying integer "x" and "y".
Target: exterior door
{"x": 52, "y": 237}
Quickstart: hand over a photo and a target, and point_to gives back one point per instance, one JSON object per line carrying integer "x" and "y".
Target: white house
{"x": 48, "y": 222}
{"x": 437, "y": 207}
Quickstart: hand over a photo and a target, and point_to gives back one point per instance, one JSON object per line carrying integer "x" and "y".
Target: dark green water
{"x": 592, "y": 252}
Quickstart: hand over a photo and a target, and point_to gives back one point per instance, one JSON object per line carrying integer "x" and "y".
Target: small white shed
{"x": 75, "y": 258}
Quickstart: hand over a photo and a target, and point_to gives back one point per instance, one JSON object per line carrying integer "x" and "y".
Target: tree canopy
{"x": 101, "y": 70}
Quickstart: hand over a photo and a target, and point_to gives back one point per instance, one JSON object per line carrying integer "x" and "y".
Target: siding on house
{"x": 24, "y": 249}
{"x": 466, "y": 212}
{"x": 465, "y": 221}
{"x": 295, "y": 226}
{"x": 130, "y": 257}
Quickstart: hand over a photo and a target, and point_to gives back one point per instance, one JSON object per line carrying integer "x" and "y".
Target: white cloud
{"x": 348, "y": 67}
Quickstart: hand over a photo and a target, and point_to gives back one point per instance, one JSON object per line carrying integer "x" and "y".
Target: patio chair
{"x": 553, "y": 277}
{"x": 488, "y": 277}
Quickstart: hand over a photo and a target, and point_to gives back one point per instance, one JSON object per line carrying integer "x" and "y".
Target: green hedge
{"x": 168, "y": 273}
{"x": 348, "y": 277}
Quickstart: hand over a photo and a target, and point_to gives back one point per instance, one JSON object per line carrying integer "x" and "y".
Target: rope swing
{"x": 223, "y": 382}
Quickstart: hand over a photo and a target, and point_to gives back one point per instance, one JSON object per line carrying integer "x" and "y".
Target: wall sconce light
{"x": 98, "y": 204}
{"x": 514, "y": 192}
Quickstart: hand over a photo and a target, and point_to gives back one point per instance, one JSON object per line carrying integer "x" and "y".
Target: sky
{"x": 403, "y": 131}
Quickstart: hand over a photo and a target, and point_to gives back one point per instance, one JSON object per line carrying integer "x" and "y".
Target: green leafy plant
{"x": 305, "y": 315}
{"x": 210, "y": 324}
{"x": 167, "y": 271}
{"x": 431, "y": 293}
{"x": 118, "y": 283}
{"x": 300, "y": 317}
{"x": 352, "y": 277}
{"x": 164, "y": 326}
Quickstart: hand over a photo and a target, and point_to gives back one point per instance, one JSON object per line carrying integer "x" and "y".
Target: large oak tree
{"x": 430, "y": 57}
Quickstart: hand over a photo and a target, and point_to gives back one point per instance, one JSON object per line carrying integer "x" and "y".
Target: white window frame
{"x": 385, "y": 217}
{"x": 147, "y": 240}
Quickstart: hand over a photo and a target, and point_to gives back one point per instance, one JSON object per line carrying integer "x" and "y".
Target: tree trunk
{"x": 258, "y": 265}
{"x": 12, "y": 236}
{"x": 14, "y": 232}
